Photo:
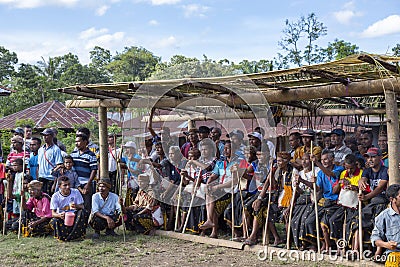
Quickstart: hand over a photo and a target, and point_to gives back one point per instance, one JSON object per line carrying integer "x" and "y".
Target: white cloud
{"x": 165, "y": 42}
{"x": 92, "y": 32}
{"x": 194, "y": 10}
{"x": 386, "y": 26}
{"x": 164, "y": 2}
{"x": 38, "y": 3}
{"x": 345, "y": 15}
{"x": 153, "y": 22}
{"x": 100, "y": 11}
{"x": 106, "y": 40}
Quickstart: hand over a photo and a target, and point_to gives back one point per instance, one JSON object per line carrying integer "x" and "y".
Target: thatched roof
{"x": 45, "y": 113}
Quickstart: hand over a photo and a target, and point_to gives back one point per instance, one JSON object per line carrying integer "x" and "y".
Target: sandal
{"x": 249, "y": 242}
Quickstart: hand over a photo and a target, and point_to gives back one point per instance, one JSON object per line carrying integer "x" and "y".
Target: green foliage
{"x": 133, "y": 64}
{"x": 306, "y": 31}
{"x": 53, "y": 124}
{"x": 23, "y": 122}
{"x": 5, "y": 136}
{"x": 337, "y": 50}
{"x": 396, "y": 50}
{"x": 184, "y": 67}
{"x": 8, "y": 60}
{"x": 114, "y": 129}
{"x": 93, "y": 126}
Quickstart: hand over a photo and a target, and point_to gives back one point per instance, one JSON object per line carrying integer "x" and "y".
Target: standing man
{"x": 215, "y": 135}
{"x": 28, "y": 136}
{"x": 17, "y": 151}
{"x": 204, "y": 132}
{"x": 340, "y": 150}
{"x": 49, "y": 156}
{"x": 113, "y": 154}
{"x": 307, "y": 136}
{"x": 33, "y": 159}
{"x": 85, "y": 163}
{"x": 383, "y": 145}
{"x": 294, "y": 142}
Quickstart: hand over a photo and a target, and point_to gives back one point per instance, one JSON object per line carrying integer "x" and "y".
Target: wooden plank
{"x": 392, "y": 116}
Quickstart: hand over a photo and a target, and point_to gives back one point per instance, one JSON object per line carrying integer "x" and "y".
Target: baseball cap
{"x": 239, "y": 133}
{"x": 47, "y": 131}
{"x": 308, "y": 132}
{"x": 17, "y": 139}
{"x": 338, "y": 131}
{"x": 130, "y": 144}
{"x": 18, "y": 130}
{"x": 373, "y": 151}
{"x": 256, "y": 135}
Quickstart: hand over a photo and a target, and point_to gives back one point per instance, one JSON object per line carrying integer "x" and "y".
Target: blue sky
{"x": 220, "y": 29}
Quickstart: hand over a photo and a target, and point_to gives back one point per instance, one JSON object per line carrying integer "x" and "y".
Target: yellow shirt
{"x": 299, "y": 152}
{"x": 353, "y": 180}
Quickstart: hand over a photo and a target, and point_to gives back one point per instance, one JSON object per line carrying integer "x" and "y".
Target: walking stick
{"x": 119, "y": 178}
{"x": 290, "y": 216}
{"x": 5, "y": 214}
{"x": 315, "y": 201}
{"x": 269, "y": 179}
{"x": 360, "y": 234}
{"x": 178, "y": 205}
{"x": 191, "y": 203}
{"x": 243, "y": 209}
{"x": 21, "y": 190}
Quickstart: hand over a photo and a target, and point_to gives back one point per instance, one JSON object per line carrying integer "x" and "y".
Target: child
{"x": 145, "y": 213}
{"x": 66, "y": 169}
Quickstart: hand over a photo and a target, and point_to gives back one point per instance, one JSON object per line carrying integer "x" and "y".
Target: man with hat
{"x": 340, "y": 150}
{"x": 106, "y": 209}
{"x": 373, "y": 183}
{"x": 17, "y": 151}
{"x": 49, "y": 157}
{"x": 37, "y": 213}
{"x": 255, "y": 139}
{"x": 307, "y": 136}
{"x": 130, "y": 163}
{"x": 19, "y": 131}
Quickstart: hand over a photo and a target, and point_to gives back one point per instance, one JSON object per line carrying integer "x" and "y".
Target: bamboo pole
{"x": 178, "y": 204}
{"x": 233, "y": 209}
{"x": 5, "y": 214}
{"x": 290, "y": 216}
{"x": 360, "y": 234}
{"x": 269, "y": 179}
{"x": 315, "y": 201}
{"x": 243, "y": 208}
{"x": 22, "y": 189}
{"x": 392, "y": 115}
{"x": 121, "y": 181}
{"x": 103, "y": 142}
{"x": 191, "y": 203}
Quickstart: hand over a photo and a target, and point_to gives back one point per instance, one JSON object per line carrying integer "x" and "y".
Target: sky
{"x": 220, "y": 29}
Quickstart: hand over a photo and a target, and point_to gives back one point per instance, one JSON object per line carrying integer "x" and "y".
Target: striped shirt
{"x": 84, "y": 164}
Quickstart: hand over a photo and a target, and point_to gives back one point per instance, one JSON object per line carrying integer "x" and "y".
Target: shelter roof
{"x": 51, "y": 111}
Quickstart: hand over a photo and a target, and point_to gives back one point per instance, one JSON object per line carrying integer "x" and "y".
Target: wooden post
{"x": 103, "y": 142}
{"x": 392, "y": 114}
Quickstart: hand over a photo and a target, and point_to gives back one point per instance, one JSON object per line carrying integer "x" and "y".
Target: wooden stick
{"x": 269, "y": 179}
{"x": 243, "y": 209}
{"x": 290, "y": 216}
{"x": 178, "y": 205}
{"x": 360, "y": 235}
{"x": 191, "y": 203}
{"x": 233, "y": 210}
{"x": 344, "y": 228}
{"x": 118, "y": 179}
{"x": 5, "y": 214}
{"x": 315, "y": 201}
{"x": 22, "y": 189}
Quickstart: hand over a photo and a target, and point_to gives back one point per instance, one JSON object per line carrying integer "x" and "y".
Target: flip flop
{"x": 249, "y": 242}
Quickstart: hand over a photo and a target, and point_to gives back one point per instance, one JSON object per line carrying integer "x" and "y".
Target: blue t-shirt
{"x": 325, "y": 183}
{"x": 375, "y": 177}
{"x": 48, "y": 159}
{"x": 33, "y": 165}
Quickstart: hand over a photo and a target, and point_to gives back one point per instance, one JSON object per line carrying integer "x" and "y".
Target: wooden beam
{"x": 110, "y": 94}
{"x": 392, "y": 115}
{"x": 374, "y": 61}
{"x": 370, "y": 87}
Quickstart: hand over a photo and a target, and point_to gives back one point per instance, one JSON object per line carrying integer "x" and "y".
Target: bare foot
{"x": 213, "y": 235}
{"x": 278, "y": 242}
{"x": 207, "y": 225}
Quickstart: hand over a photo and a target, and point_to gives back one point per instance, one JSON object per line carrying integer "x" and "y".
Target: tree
{"x": 396, "y": 50}
{"x": 337, "y": 50}
{"x": 185, "y": 67}
{"x": 247, "y": 67}
{"x": 8, "y": 60}
{"x": 100, "y": 57}
{"x": 308, "y": 28}
{"x": 133, "y": 64}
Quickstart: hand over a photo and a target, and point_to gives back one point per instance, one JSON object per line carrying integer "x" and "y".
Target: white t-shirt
{"x": 60, "y": 202}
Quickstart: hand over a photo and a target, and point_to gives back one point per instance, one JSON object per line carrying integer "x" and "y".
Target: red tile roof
{"x": 45, "y": 113}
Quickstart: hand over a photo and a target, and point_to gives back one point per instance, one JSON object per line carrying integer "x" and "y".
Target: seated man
{"x": 386, "y": 230}
{"x": 145, "y": 213}
{"x": 69, "y": 200}
{"x": 106, "y": 210}
{"x": 37, "y": 214}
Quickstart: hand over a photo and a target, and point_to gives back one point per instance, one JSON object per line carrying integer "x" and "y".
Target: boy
{"x": 66, "y": 169}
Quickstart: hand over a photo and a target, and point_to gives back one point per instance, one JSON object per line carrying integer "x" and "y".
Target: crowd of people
{"x": 208, "y": 185}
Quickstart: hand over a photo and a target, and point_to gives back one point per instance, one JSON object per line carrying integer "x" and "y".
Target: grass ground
{"x": 138, "y": 250}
